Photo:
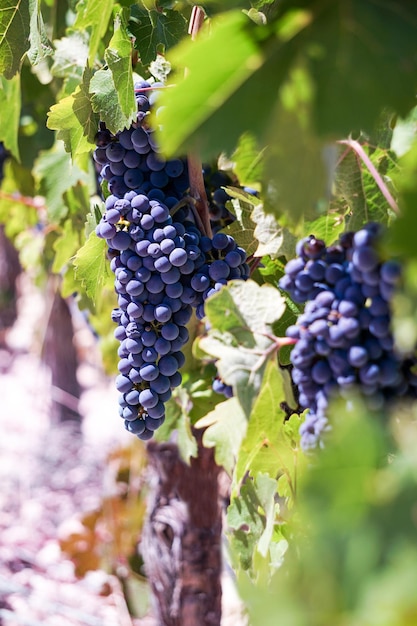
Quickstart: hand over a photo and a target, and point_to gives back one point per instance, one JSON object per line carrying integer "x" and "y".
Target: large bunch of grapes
{"x": 344, "y": 338}
{"x": 164, "y": 265}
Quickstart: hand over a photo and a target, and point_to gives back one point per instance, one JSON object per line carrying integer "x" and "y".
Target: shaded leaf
{"x": 249, "y": 160}
{"x": 65, "y": 246}
{"x": 327, "y": 227}
{"x": 10, "y": 117}
{"x": 241, "y": 315}
{"x": 15, "y": 21}
{"x": 112, "y": 91}
{"x": 40, "y": 46}
{"x": 203, "y": 93}
{"x": 154, "y": 30}
{"x": 242, "y": 229}
{"x": 56, "y": 174}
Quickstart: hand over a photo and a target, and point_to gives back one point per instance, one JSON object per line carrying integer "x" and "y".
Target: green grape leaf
{"x": 358, "y": 187}
{"x": 18, "y": 211}
{"x": 71, "y": 54}
{"x": 91, "y": 266}
{"x": 273, "y": 240}
{"x": 224, "y": 429}
{"x": 112, "y": 91}
{"x": 241, "y": 315}
{"x": 350, "y": 88}
{"x": 10, "y": 117}
{"x": 40, "y": 46}
{"x": 65, "y": 246}
{"x": 343, "y": 66}
{"x": 93, "y": 17}
{"x": 251, "y": 517}
{"x": 177, "y": 419}
{"x": 156, "y": 31}
{"x": 262, "y": 450}
{"x": 235, "y": 56}
{"x": 266, "y": 488}
{"x": 56, "y": 174}
{"x": 327, "y": 227}
{"x": 248, "y": 160}
{"x": 297, "y": 171}
{"x": 242, "y": 229}
{"x": 15, "y": 21}
{"x": 75, "y": 120}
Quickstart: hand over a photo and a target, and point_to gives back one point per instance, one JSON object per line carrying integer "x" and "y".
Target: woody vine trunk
{"x": 181, "y": 541}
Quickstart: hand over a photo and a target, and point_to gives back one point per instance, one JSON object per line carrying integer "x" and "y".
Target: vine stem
{"x": 26, "y": 200}
{"x": 356, "y": 147}
{"x": 195, "y": 168}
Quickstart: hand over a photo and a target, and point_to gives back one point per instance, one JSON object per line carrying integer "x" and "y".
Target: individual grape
{"x": 136, "y": 427}
{"x": 168, "y": 365}
{"x": 133, "y": 178}
{"x": 155, "y": 163}
{"x": 159, "y": 179}
{"x": 133, "y": 397}
{"x": 148, "y": 398}
{"x": 160, "y": 384}
{"x": 118, "y": 168}
{"x": 174, "y": 168}
{"x": 219, "y": 269}
{"x": 157, "y": 412}
{"x": 357, "y": 356}
{"x": 123, "y": 383}
{"x": 178, "y": 257}
{"x": 106, "y": 230}
{"x": 115, "y": 152}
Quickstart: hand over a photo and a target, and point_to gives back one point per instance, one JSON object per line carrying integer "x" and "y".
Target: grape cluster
{"x": 343, "y": 338}
{"x": 152, "y": 258}
{"x": 163, "y": 265}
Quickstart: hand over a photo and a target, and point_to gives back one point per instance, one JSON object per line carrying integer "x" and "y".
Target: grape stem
{"x": 356, "y": 147}
{"x": 195, "y": 168}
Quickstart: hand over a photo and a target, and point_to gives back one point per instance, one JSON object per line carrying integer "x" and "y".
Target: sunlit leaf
{"x": 91, "y": 266}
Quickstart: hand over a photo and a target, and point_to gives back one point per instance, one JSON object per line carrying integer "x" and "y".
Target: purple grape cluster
{"x": 343, "y": 338}
{"x": 163, "y": 265}
{"x": 152, "y": 258}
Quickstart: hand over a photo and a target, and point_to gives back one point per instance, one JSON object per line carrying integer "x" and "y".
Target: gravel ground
{"x": 50, "y": 474}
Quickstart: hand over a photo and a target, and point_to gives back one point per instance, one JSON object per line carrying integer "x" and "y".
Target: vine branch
{"x": 195, "y": 168}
